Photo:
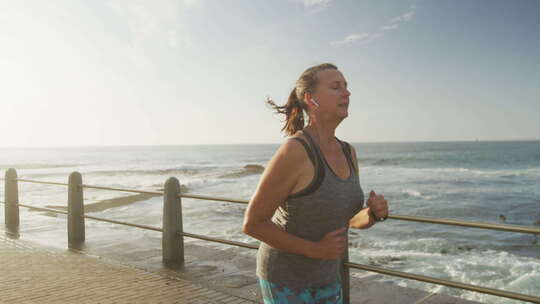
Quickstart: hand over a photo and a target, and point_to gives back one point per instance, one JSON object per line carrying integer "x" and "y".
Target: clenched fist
{"x": 331, "y": 246}
{"x": 378, "y": 205}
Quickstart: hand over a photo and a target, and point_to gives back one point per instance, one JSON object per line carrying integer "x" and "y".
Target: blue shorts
{"x": 275, "y": 294}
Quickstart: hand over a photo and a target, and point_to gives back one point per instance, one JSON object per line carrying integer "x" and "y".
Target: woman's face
{"x": 332, "y": 93}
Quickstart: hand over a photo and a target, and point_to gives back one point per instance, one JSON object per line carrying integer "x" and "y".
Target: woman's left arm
{"x": 377, "y": 206}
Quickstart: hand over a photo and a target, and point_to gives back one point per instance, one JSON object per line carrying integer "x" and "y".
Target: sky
{"x": 163, "y": 72}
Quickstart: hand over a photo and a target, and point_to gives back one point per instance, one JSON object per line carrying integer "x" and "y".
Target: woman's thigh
{"x": 275, "y": 294}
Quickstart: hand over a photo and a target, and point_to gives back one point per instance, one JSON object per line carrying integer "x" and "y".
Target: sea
{"x": 491, "y": 182}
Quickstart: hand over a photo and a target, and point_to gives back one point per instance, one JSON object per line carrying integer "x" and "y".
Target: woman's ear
{"x": 307, "y": 97}
{"x": 311, "y": 100}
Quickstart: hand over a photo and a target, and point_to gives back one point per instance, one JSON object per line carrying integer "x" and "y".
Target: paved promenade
{"x": 31, "y": 272}
{"x": 34, "y": 274}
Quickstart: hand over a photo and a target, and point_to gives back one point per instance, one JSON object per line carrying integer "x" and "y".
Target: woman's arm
{"x": 364, "y": 219}
{"x": 277, "y": 182}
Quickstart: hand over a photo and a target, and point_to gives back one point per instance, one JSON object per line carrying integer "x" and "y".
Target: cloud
{"x": 365, "y": 38}
{"x": 358, "y": 38}
{"x": 313, "y": 6}
{"x": 390, "y": 27}
{"x": 311, "y": 3}
{"x": 405, "y": 17}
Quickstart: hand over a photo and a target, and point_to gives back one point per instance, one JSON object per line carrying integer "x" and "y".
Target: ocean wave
{"x": 200, "y": 183}
{"x": 43, "y": 174}
{"x": 169, "y": 171}
{"x": 495, "y": 172}
{"x": 182, "y": 171}
{"x": 386, "y": 260}
{"x": 444, "y": 170}
{"x": 461, "y": 174}
{"x": 393, "y": 160}
{"x": 430, "y": 170}
{"x": 429, "y": 246}
{"x": 526, "y": 281}
{"x": 247, "y": 170}
{"x": 384, "y": 162}
{"x": 494, "y": 269}
{"x": 183, "y": 187}
{"x": 504, "y": 173}
{"x": 417, "y": 194}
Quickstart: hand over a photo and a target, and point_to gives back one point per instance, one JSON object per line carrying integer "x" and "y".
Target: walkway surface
{"x": 34, "y": 274}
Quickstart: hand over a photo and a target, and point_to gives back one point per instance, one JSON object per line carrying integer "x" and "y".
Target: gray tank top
{"x": 325, "y": 205}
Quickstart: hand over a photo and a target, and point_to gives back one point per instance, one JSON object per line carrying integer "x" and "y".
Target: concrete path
{"x": 34, "y": 274}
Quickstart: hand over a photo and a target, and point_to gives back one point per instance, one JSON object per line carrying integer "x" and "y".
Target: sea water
{"x": 493, "y": 182}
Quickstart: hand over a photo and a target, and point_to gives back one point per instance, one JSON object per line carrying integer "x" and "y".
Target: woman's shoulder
{"x": 294, "y": 146}
{"x": 301, "y": 144}
{"x": 289, "y": 159}
{"x": 293, "y": 149}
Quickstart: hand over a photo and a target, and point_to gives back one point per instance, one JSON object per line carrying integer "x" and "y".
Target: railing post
{"x": 345, "y": 279}
{"x": 76, "y": 233}
{"x": 11, "y": 206}
{"x": 172, "y": 240}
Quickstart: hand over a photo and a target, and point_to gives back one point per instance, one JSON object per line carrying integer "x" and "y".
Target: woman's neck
{"x": 325, "y": 134}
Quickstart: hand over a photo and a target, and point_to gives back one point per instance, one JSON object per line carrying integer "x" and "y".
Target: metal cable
{"x": 39, "y": 208}
{"x": 123, "y": 223}
{"x": 123, "y": 190}
{"x": 502, "y": 227}
{"x": 217, "y": 240}
{"x": 40, "y": 182}
{"x": 211, "y": 198}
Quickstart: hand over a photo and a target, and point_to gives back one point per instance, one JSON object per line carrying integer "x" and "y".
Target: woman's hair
{"x": 295, "y": 107}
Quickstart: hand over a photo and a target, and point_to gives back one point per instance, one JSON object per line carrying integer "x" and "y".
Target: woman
{"x": 308, "y": 196}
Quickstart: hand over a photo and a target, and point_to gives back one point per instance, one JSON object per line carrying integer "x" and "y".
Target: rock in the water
{"x": 254, "y": 168}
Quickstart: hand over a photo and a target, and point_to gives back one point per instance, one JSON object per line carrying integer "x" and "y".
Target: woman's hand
{"x": 378, "y": 205}
{"x": 331, "y": 246}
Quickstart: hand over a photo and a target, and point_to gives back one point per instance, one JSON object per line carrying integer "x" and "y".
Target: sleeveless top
{"x": 325, "y": 205}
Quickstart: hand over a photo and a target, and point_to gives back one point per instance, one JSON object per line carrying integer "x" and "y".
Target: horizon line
{"x": 263, "y": 143}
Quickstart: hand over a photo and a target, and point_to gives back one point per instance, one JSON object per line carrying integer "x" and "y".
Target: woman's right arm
{"x": 277, "y": 182}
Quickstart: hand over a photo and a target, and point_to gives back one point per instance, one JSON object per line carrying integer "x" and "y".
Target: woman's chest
{"x": 337, "y": 201}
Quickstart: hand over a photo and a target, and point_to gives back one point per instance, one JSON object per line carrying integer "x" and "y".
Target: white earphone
{"x": 314, "y": 102}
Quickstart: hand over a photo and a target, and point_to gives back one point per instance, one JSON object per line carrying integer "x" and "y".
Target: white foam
{"x": 493, "y": 269}
{"x": 412, "y": 192}
{"x": 415, "y": 193}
